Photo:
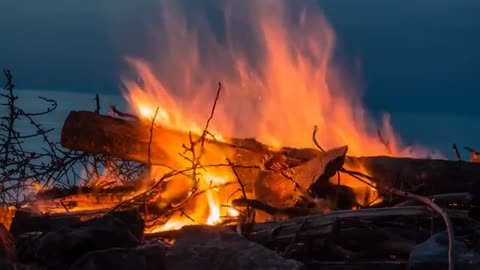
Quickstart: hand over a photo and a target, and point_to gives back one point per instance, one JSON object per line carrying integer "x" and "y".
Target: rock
{"x": 133, "y": 220}
{"x": 7, "y": 245}
{"x": 27, "y": 221}
{"x": 27, "y": 245}
{"x": 58, "y": 249}
{"x": 146, "y": 257}
{"x": 206, "y": 247}
{"x": 17, "y": 266}
{"x": 433, "y": 254}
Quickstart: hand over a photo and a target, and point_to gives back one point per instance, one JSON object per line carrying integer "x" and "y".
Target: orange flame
{"x": 280, "y": 80}
{"x": 214, "y": 217}
{"x": 293, "y": 85}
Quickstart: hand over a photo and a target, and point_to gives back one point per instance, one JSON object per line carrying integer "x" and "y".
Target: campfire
{"x": 281, "y": 154}
{"x": 188, "y": 135}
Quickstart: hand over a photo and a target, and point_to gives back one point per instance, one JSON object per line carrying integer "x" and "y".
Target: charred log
{"x": 90, "y": 132}
{"x": 28, "y": 221}
{"x": 349, "y": 236}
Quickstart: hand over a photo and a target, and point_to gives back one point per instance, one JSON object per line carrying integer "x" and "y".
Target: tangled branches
{"x": 21, "y": 168}
{"x": 194, "y": 155}
{"x": 368, "y": 180}
{"x": 30, "y": 161}
{"x": 193, "y": 170}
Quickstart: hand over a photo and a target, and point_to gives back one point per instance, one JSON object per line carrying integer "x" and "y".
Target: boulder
{"x": 433, "y": 254}
{"x": 58, "y": 249}
{"x": 206, "y": 247}
{"x": 145, "y": 257}
{"x": 27, "y": 246}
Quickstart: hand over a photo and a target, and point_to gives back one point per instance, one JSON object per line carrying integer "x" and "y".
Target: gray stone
{"x": 133, "y": 220}
{"x": 17, "y": 266}
{"x": 27, "y": 245}
{"x": 147, "y": 257}
{"x": 58, "y": 249}
{"x": 204, "y": 247}
{"x": 433, "y": 254}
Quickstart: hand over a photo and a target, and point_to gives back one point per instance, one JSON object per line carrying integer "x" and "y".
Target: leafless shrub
{"x": 30, "y": 161}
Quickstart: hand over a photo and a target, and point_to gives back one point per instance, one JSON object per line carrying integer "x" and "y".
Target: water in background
{"x": 67, "y": 101}
{"x": 419, "y": 59}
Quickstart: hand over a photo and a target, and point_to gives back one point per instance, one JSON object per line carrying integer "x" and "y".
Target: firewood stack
{"x": 426, "y": 217}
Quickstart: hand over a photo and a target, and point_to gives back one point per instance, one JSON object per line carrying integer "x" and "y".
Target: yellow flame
{"x": 291, "y": 85}
{"x": 145, "y": 111}
{"x": 171, "y": 225}
{"x": 279, "y": 81}
{"x": 233, "y": 212}
{"x": 214, "y": 217}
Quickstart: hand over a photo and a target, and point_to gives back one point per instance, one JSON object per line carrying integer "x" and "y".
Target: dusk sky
{"x": 419, "y": 59}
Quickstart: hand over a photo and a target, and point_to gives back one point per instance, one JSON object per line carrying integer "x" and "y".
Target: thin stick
{"x": 97, "y": 101}
{"x": 195, "y": 158}
{"x": 210, "y": 117}
{"x": 212, "y": 112}
{"x": 440, "y": 211}
{"x": 384, "y": 142}
{"x": 149, "y": 162}
{"x": 421, "y": 199}
{"x": 139, "y": 195}
{"x": 474, "y": 152}
{"x": 468, "y": 148}
{"x": 123, "y": 114}
{"x": 418, "y": 198}
{"x": 242, "y": 187}
{"x": 457, "y": 153}
{"x": 314, "y": 137}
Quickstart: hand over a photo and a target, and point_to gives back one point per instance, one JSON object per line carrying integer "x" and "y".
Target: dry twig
{"x": 314, "y": 137}
{"x": 367, "y": 179}
{"x": 418, "y": 198}
{"x": 194, "y": 159}
{"x": 97, "y": 103}
{"x": 384, "y": 141}
{"x": 457, "y": 153}
{"x": 248, "y": 214}
{"x": 474, "y": 152}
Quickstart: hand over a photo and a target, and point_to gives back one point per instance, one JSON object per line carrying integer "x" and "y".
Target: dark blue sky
{"x": 416, "y": 56}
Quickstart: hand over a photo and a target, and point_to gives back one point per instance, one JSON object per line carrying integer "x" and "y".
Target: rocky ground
{"x": 117, "y": 241}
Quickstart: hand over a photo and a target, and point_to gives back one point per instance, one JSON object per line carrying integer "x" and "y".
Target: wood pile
{"x": 427, "y": 219}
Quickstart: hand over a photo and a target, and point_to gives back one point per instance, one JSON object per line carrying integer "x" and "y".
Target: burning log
{"x": 311, "y": 226}
{"x": 90, "y": 132}
{"x": 321, "y": 225}
{"x": 28, "y": 221}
